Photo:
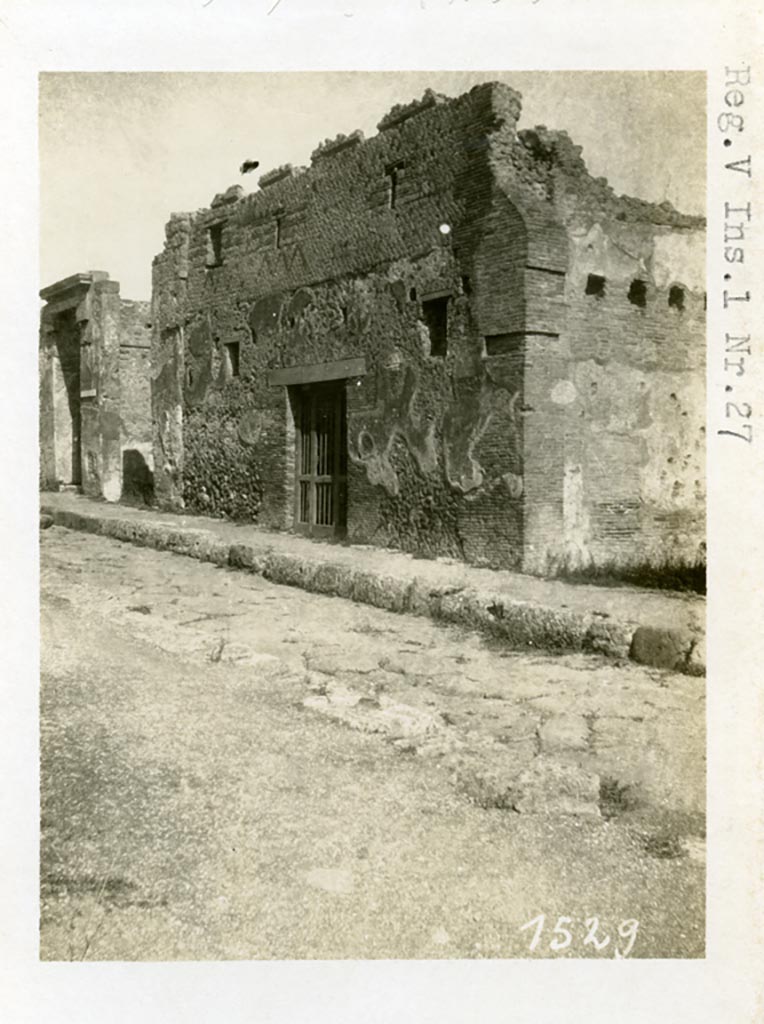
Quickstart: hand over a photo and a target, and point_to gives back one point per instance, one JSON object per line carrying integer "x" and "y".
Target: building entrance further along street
{"x": 321, "y": 483}
{"x": 67, "y": 414}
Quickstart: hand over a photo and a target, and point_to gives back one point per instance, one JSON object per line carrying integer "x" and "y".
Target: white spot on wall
{"x": 564, "y": 392}
{"x": 112, "y": 488}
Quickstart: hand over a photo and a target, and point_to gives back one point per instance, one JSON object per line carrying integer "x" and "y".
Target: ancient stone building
{"x": 447, "y": 338}
{"x": 95, "y": 404}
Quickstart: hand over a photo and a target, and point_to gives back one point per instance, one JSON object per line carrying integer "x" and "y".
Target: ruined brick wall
{"x": 634, "y": 460}
{"x": 323, "y": 265}
{"x": 614, "y": 464}
{"x": 94, "y": 386}
{"x": 79, "y": 385}
{"x": 135, "y": 399}
{"x": 496, "y": 450}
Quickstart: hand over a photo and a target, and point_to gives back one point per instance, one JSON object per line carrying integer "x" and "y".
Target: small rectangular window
{"x": 595, "y": 285}
{"x": 676, "y": 297}
{"x": 435, "y": 315}
{"x": 393, "y": 172}
{"x": 214, "y": 245}
{"x": 231, "y": 359}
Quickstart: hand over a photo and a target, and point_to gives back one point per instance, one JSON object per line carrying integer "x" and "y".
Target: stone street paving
{"x": 234, "y": 769}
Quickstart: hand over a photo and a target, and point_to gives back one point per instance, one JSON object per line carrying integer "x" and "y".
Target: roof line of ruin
{"x": 552, "y": 146}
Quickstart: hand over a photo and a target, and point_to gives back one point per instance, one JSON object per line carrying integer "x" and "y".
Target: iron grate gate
{"x": 321, "y": 459}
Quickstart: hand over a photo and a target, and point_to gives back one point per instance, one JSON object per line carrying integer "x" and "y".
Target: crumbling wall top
{"x": 555, "y": 151}
{"x": 71, "y": 283}
{"x": 231, "y": 195}
{"x": 329, "y": 147}
{"x": 402, "y": 111}
{"x": 279, "y": 174}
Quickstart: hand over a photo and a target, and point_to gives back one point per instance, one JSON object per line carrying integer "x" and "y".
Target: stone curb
{"x": 520, "y": 624}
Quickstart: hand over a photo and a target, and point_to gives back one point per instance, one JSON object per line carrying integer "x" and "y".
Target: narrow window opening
{"x": 676, "y": 297}
{"x": 412, "y": 294}
{"x": 393, "y": 180}
{"x": 214, "y": 245}
{"x": 435, "y": 315}
{"x": 231, "y": 359}
{"x": 279, "y": 231}
{"x": 638, "y": 294}
{"x": 595, "y": 285}
{"x": 466, "y": 285}
{"x": 344, "y": 314}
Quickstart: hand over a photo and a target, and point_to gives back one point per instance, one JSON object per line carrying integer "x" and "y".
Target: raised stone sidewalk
{"x": 655, "y": 628}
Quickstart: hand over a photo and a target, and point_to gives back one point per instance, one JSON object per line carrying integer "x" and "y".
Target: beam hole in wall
{"x": 214, "y": 245}
{"x": 435, "y": 316}
{"x": 676, "y": 297}
{"x": 638, "y": 293}
{"x": 231, "y": 357}
{"x": 502, "y": 344}
{"x": 595, "y": 285}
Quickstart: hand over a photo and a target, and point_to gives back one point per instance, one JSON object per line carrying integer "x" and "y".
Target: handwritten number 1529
{"x": 562, "y": 936}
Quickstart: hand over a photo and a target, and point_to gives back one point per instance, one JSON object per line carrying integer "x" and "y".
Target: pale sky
{"x": 121, "y": 151}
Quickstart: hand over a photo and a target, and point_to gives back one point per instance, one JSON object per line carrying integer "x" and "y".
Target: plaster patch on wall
{"x": 575, "y": 518}
{"x": 614, "y": 258}
{"x": 680, "y": 257}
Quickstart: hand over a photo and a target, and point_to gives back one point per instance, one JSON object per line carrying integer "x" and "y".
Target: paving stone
{"x": 548, "y": 786}
{"x": 553, "y": 704}
{"x": 564, "y": 732}
{"x": 489, "y": 781}
{"x": 616, "y": 733}
{"x": 337, "y": 662}
{"x": 394, "y": 720}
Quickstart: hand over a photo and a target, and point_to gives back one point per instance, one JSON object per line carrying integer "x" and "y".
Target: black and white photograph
{"x": 373, "y": 516}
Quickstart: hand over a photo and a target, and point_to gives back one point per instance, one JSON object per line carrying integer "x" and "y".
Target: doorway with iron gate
{"x": 321, "y": 459}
